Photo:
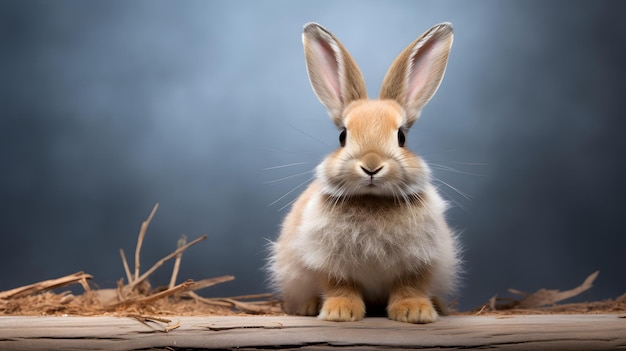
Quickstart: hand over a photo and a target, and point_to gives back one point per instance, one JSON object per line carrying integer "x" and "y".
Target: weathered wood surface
{"x": 530, "y": 332}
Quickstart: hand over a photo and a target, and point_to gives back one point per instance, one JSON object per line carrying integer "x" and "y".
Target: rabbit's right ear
{"x": 415, "y": 75}
{"x": 335, "y": 77}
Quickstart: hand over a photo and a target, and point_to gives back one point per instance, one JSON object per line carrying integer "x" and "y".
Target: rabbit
{"x": 370, "y": 229}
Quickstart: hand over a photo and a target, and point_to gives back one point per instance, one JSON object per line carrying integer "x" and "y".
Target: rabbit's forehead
{"x": 378, "y": 116}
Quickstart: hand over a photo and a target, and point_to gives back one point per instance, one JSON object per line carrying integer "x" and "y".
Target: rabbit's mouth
{"x": 372, "y": 182}
{"x": 374, "y": 186}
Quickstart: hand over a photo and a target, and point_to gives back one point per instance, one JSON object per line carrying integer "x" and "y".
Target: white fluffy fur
{"x": 375, "y": 250}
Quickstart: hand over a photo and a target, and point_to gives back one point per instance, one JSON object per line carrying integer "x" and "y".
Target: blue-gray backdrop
{"x": 108, "y": 107}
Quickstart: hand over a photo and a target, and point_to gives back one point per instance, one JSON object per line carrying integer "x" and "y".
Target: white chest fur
{"x": 370, "y": 241}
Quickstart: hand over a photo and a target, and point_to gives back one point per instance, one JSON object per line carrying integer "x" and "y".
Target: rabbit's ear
{"x": 415, "y": 75}
{"x": 335, "y": 77}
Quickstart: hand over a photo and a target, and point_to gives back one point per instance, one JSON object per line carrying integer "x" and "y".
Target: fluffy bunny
{"x": 370, "y": 228}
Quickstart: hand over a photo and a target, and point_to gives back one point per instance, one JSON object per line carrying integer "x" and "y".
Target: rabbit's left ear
{"x": 416, "y": 73}
{"x": 335, "y": 77}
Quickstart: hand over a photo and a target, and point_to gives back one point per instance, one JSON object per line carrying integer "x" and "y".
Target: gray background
{"x": 109, "y": 107}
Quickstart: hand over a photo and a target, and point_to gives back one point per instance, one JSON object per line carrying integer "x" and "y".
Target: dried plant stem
{"x": 250, "y": 307}
{"x": 214, "y": 302}
{"x": 151, "y": 298}
{"x": 181, "y": 242}
{"x": 205, "y": 283}
{"x": 160, "y": 262}
{"x": 145, "y": 319}
{"x": 142, "y": 234}
{"x": 83, "y": 282}
{"x": 533, "y": 303}
{"x": 26, "y": 290}
{"x": 129, "y": 276}
{"x": 256, "y": 307}
{"x": 543, "y": 297}
{"x": 252, "y": 296}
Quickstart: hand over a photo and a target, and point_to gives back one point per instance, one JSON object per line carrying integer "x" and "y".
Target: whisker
{"x": 458, "y": 204}
{"x": 451, "y": 199}
{"x": 290, "y": 152}
{"x": 465, "y": 195}
{"x": 288, "y": 204}
{"x": 309, "y": 135}
{"x": 287, "y": 165}
{"x": 290, "y": 191}
{"x": 471, "y": 163}
{"x": 453, "y": 170}
{"x": 287, "y": 177}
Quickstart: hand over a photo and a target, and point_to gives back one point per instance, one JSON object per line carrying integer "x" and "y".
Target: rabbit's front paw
{"x": 342, "y": 309}
{"x": 412, "y": 310}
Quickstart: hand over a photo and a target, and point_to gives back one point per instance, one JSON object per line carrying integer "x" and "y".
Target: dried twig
{"x": 154, "y": 297}
{"x": 83, "y": 282}
{"x": 543, "y": 297}
{"x": 129, "y": 276}
{"x": 142, "y": 234}
{"x": 120, "y": 289}
{"x": 181, "y": 242}
{"x": 481, "y": 310}
{"x": 205, "y": 283}
{"x": 145, "y": 319}
{"x": 207, "y": 301}
{"x": 256, "y": 307}
{"x": 252, "y": 296}
{"x": 160, "y": 262}
{"x": 169, "y": 327}
{"x": 26, "y": 290}
{"x": 532, "y": 303}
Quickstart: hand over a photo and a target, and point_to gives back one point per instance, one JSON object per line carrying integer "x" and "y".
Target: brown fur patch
{"x": 369, "y": 121}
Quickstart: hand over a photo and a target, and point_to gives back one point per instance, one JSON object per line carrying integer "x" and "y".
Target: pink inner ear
{"x": 423, "y": 67}
{"x": 328, "y": 68}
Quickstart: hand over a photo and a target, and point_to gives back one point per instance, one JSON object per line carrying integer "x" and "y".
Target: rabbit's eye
{"x": 342, "y": 137}
{"x": 401, "y": 138}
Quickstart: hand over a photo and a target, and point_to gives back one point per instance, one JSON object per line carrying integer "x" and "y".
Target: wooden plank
{"x": 522, "y": 332}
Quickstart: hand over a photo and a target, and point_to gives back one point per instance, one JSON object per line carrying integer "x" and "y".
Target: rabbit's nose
{"x": 371, "y": 164}
{"x": 370, "y": 172}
